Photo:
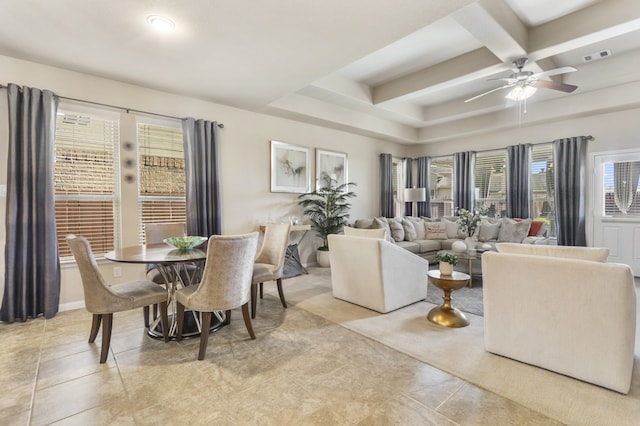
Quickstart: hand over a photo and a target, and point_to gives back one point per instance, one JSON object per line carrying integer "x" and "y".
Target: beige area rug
{"x": 460, "y": 352}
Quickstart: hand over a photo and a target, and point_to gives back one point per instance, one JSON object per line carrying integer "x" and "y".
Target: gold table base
{"x": 446, "y": 315}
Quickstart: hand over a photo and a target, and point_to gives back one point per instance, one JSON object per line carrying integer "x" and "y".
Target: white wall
{"x": 244, "y": 149}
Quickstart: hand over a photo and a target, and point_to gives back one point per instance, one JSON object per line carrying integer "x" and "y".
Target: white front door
{"x": 616, "y": 217}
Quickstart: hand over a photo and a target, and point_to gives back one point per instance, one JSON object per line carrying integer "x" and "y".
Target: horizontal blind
{"x": 441, "y": 186}
{"x": 490, "y": 181}
{"x": 162, "y": 176}
{"x": 84, "y": 177}
{"x": 542, "y": 184}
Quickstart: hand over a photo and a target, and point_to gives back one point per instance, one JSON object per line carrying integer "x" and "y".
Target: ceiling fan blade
{"x": 486, "y": 93}
{"x": 555, "y": 71}
{"x": 568, "y": 88}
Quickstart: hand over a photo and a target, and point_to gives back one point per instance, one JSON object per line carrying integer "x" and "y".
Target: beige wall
{"x": 244, "y": 149}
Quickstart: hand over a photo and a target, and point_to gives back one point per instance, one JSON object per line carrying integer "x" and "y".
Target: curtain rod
{"x": 220, "y": 125}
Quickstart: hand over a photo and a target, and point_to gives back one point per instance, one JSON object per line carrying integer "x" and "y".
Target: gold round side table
{"x": 446, "y": 314}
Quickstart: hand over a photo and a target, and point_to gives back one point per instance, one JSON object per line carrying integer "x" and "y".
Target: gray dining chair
{"x": 224, "y": 286}
{"x": 269, "y": 264}
{"x": 102, "y": 300}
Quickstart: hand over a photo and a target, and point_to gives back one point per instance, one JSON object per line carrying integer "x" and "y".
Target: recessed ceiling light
{"x": 161, "y": 23}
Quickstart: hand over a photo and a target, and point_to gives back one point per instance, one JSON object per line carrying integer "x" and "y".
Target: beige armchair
{"x": 269, "y": 264}
{"x": 375, "y": 273}
{"x": 103, "y": 300}
{"x": 225, "y": 283}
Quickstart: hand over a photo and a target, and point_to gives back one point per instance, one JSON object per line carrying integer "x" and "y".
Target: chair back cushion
{"x": 226, "y": 281}
{"x": 596, "y": 254}
{"x": 274, "y": 244}
{"x": 155, "y": 233}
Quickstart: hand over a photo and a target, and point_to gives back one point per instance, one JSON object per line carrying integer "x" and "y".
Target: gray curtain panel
{"x": 386, "y": 185}
{"x": 424, "y": 165}
{"x": 569, "y": 157}
{"x": 625, "y": 184}
{"x": 32, "y": 264}
{"x": 202, "y": 175}
{"x": 408, "y": 183}
{"x": 463, "y": 178}
{"x": 518, "y": 181}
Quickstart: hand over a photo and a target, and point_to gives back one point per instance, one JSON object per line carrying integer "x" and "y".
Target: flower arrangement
{"x": 468, "y": 220}
{"x": 446, "y": 257}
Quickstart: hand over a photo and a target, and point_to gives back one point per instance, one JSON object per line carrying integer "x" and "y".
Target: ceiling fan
{"x": 524, "y": 84}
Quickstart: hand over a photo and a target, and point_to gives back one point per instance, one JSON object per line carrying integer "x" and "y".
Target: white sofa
{"x": 563, "y": 309}
{"x": 376, "y": 274}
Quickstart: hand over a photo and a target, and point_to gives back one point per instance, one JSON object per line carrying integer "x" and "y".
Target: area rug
{"x": 467, "y": 299}
{"x": 460, "y": 352}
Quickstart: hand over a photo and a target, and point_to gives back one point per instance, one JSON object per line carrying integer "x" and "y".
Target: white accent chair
{"x": 376, "y": 274}
{"x": 563, "y": 309}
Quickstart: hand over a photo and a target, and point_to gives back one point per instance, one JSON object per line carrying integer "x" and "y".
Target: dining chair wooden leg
{"x": 261, "y": 290}
{"x": 145, "y": 312}
{"x": 106, "y": 337}
{"x": 247, "y": 320}
{"x": 180, "y": 320}
{"x": 281, "y": 293}
{"x": 164, "y": 319}
{"x": 227, "y": 317}
{"x": 254, "y": 296}
{"x": 204, "y": 335}
{"x": 95, "y": 327}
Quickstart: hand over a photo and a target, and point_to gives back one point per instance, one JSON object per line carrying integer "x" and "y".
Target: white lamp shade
{"x": 415, "y": 194}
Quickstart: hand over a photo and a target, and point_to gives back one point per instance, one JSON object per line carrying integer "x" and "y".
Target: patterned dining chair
{"x": 225, "y": 284}
{"x": 102, "y": 300}
{"x": 269, "y": 264}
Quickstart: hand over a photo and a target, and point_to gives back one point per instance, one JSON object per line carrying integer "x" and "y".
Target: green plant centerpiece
{"x": 327, "y": 207}
{"x": 446, "y": 262}
{"x": 468, "y": 219}
{"x": 446, "y": 257}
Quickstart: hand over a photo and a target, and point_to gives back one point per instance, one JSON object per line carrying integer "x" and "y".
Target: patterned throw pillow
{"x": 435, "y": 230}
{"x": 512, "y": 231}
{"x": 409, "y": 230}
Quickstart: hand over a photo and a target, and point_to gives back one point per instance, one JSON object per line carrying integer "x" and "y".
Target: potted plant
{"x": 328, "y": 210}
{"x": 446, "y": 262}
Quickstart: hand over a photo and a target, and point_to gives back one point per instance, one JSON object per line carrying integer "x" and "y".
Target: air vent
{"x": 598, "y": 55}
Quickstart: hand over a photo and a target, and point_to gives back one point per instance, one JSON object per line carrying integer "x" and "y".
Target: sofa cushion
{"x": 513, "y": 231}
{"x": 427, "y": 246}
{"x": 435, "y": 230}
{"x": 397, "y": 232}
{"x": 418, "y": 224}
{"x": 368, "y": 233}
{"x": 488, "y": 231}
{"x": 413, "y": 247}
{"x": 409, "y": 230}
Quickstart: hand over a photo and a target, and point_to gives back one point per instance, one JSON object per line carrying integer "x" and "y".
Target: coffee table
{"x": 469, "y": 256}
{"x": 446, "y": 314}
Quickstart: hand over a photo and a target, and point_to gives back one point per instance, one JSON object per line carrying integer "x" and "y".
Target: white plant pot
{"x": 322, "y": 256}
{"x": 446, "y": 268}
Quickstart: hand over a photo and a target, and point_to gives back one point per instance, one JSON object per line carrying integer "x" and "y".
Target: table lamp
{"x": 413, "y": 195}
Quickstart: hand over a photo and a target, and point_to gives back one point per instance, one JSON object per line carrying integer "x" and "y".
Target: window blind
{"x": 490, "y": 181}
{"x": 85, "y": 175}
{"x": 161, "y": 197}
{"x": 440, "y": 182}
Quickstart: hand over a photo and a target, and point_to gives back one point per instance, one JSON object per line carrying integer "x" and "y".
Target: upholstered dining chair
{"x": 269, "y": 264}
{"x": 224, "y": 285}
{"x": 102, "y": 300}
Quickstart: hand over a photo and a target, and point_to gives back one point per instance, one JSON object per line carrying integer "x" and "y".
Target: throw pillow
{"x": 453, "y": 229}
{"x": 381, "y": 222}
{"x": 397, "y": 232}
{"x": 435, "y": 230}
{"x": 418, "y": 224}
{"x": 512, "y": 231}
{"x": 488, "y": 231}
{"x": 409, "y": 230}
{"x": 536, "y": 227}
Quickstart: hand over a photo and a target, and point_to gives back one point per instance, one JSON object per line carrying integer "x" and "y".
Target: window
{"x": 86, "y": 190}
{"x": 490, "y": 182}
{"x": 161, "y": 195}
{"x": 441, "y": 192}
{"x": 397, "y": 176}
{"x": 622, "y": 189}
{"x": 542, "y": 184}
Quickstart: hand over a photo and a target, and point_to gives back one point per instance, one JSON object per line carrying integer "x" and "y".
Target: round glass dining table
{"x": 176, "y": 268}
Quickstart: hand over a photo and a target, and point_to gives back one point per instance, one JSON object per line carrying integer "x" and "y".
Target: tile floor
{"x": 301, "y": 370}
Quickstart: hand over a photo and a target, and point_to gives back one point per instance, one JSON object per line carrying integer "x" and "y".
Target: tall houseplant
{"x": 327, "y": 208}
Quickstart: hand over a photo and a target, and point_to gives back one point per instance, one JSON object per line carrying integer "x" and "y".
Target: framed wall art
{"x": 290, "y": 168}
{"x": 333, "y": 164}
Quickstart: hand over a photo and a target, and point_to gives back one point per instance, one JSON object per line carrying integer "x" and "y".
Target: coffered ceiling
{"x": 396, "y": 70}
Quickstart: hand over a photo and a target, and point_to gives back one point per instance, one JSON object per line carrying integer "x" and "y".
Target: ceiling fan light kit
{"x": 520, "y": 93}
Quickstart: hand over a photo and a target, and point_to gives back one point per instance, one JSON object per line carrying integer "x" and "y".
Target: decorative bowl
{"x": 185, "y": 243}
